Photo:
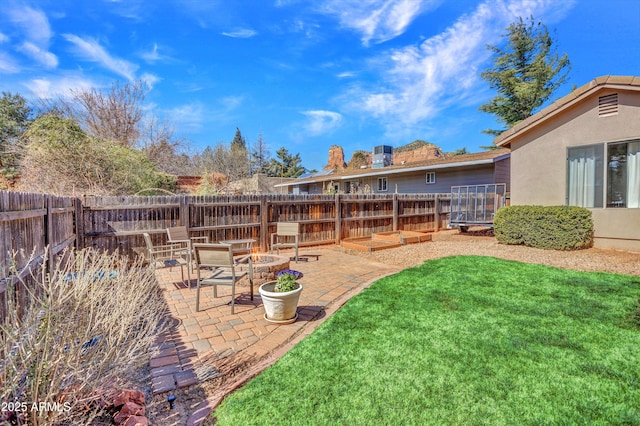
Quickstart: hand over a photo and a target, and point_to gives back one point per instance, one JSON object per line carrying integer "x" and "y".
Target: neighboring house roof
{"x": 463, "y": 160}
{"x": 576, "y": 96}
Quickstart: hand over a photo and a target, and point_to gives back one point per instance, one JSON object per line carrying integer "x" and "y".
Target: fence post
{"x": 338, "y": 219}
{"x": 264, "y": 223}
{"x": 79, "y": 221}
{"x": 395, "y": 212}
{"x": 184, "y": 212}
{"x": 436, "y": 214}
{"x": 48, "y": 233}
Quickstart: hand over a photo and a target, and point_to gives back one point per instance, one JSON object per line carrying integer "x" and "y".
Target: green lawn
{"x": 462, "y": 340}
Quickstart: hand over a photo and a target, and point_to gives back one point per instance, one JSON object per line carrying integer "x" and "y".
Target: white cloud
{"x": 189, "y": 117}
{"x": 320, "y": 122}
{"x": 419, "y": 81}
{"x": 153, "y": 55}
{"x": 60, "y": 86}
{"x": 150, "y": 79}
{"x": 92, "y": 51}
{"x": 7, "y": 64}
{"x": 346, "y": 74}
{"x": 232, "y": 102}
{"x": 3, "y": 38}
{"x": 377, "y": 20}
{"x": 157, "y": 54}
{"x": 37, "y": 33}
{"x": 48, "y": 59}
{"x": 240, "y": 33}
{"x": 33, "y": 22}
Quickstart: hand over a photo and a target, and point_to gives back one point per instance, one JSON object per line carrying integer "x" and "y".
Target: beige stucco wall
{"x": 539, "y": 162}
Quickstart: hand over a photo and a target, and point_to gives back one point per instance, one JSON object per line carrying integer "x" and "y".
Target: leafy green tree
{"x": 525, "y": 73}
{"x": 285, "y": 165}
{"x": 15, "y": 116}
{"x": 61, "y": 159}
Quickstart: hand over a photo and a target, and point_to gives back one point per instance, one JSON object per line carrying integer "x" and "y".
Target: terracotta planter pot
{"x": 280, "y": 307}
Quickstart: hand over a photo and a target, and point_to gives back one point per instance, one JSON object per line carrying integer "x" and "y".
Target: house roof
{"x": 576, "y": 96}
{"x": 463, "y": 160}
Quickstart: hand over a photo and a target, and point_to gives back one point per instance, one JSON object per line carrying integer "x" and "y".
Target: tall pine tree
{"x": 525, "y": 73}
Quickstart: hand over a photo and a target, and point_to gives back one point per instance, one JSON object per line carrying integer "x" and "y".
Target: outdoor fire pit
{"x": 265, "y": 266}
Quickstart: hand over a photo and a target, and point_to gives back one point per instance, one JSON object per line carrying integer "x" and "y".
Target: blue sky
{"x": 305, "y": 74}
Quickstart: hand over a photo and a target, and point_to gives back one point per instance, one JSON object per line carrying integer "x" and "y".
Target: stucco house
{"x": 427, "y": 176}
{"x": 584, "y": 150}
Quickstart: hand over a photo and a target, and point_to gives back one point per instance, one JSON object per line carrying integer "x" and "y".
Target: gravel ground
{"x": 452, "y": 242}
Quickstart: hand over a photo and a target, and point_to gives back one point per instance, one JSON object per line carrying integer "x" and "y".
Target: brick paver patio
{"x": 193, "y": 350}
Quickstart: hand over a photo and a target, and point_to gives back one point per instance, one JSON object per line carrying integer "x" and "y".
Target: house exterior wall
{"x": 415, "y": 182}
{"x": 539, "y": 162}
{"x": 502, "y": 172}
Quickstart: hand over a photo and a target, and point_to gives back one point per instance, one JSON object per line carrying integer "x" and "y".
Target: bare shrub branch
{"x": 87, "y": 327}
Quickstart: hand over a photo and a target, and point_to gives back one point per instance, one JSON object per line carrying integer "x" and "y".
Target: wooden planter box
{"x": 402, "y": 237}
{"x": 368, "y": 244}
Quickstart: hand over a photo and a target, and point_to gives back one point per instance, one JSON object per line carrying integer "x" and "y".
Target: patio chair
{"x": 219, "y": 257}
{"x": 286, "y": 236}
{"x": 167, "y": 256}
{"x": 180, "y": 234}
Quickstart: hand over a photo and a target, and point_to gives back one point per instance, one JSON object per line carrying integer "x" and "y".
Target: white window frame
{"x": 383, "y": 184}
{"x": 430, "y": 178}
{"x": 590, "y": 182}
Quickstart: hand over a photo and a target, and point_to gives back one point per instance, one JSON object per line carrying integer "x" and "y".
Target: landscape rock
{"x": 336, "y": 159}
{"x": 129, "y": 395}
{"x": 136, "y": 421}
{"x": 129, "y": 409}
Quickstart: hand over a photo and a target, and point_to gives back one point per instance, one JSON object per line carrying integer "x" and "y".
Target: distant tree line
{"x": 103, "y": 143}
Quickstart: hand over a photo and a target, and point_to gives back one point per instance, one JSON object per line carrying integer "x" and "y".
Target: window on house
{"x": 585, "y": 178}
{"x": 623, "y": 174}
{"x": 351, "y": 187}
{"x": 431, "y": 177}
{"x": 382, "y": 184}
{"x": 586, "y": 170}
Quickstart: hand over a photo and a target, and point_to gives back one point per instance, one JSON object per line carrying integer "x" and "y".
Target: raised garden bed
{"x": 385, "y": 240}
{"x": 403, "y": 237}
{"x": 368, "y": 244}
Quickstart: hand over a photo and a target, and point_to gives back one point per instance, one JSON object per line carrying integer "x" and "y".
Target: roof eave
{"x": 388, "y": 171}
{"x": 606, "y": 82}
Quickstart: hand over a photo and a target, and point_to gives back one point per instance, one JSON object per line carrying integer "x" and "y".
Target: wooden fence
{"x": 34, "y": 228}
{"x": 31, "y": 222}
{"x": 117, "y": 224}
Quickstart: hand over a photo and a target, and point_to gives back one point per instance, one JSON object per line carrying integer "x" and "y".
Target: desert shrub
{"x": 87, "y": 327}
{"x": 547, "y": 227}
{"x": 61, "y": 159}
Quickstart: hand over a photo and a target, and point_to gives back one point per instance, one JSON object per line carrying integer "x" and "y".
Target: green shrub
{"x": 546, "y": 227}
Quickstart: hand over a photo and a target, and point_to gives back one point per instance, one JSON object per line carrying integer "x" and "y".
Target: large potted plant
{"x": 280, "y": 297}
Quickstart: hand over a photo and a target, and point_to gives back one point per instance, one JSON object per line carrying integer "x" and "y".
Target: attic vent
{"x": 608, "y": 105}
